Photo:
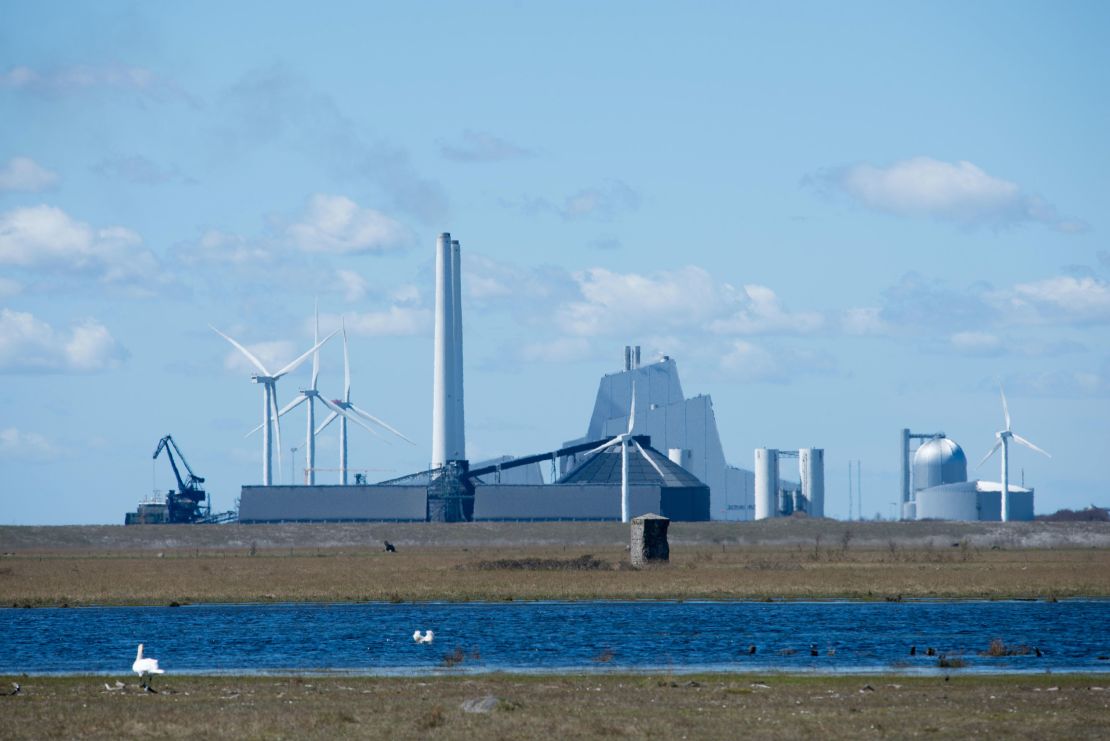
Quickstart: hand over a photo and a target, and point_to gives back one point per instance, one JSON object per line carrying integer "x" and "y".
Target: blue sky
{"x": 840, "y": 219}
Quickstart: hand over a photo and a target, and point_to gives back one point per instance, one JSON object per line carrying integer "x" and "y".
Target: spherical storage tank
{"x": 938, "y": 461}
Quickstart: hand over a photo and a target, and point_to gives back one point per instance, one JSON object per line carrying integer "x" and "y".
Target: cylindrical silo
{"x": 811, "y": 468}
{"x": 766, "y": 482}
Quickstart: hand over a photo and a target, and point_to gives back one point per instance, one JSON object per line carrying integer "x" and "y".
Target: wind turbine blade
{"x": 1005, "y": 407}
{"x": 250, "y": 356}
{"x": 316, "y": 339}
{"x": 352, "y": 418}
{"x": 632, "y": 411}
{"x": 292, "y": 405}
{"x": 331, "y": 418}
{"x": 346, "y": 366}
{"x": 1030, "y": 445}
{"x": 609, "y": 444}
{"x": 256, "y": 429}
{"x": 277, "y": 424}
{"x": 997, "y": 445}
{"x": 649, "y": 459}
{"x": 375, "y": 420}
{"x": 293, "y": 366}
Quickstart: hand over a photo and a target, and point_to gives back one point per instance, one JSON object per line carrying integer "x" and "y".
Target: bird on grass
{"x": 390, "y": 548}
{"x": 146, "y": 669}
{"x": 426, "y": 637}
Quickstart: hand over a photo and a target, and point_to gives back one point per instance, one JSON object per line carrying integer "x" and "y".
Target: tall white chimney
{"x": 456, "y": 451}
{"x": 443, "y": 403}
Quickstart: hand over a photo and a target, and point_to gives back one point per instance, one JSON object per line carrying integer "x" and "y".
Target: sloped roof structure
{"x": 604, "y": 467}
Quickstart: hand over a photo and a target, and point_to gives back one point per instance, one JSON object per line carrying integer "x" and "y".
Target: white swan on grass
{"x": 145, "y": 668}
{"x": 427, "y": 637}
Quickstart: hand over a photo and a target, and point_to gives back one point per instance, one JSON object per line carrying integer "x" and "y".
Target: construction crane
{"x": 184, "y": 505}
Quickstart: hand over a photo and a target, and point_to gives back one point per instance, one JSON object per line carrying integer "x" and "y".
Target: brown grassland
{"x": 542, "y": 707}
{"x": 815, "y": 559}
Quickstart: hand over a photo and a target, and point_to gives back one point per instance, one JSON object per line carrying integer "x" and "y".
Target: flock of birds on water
{"x": 147, "y": 667}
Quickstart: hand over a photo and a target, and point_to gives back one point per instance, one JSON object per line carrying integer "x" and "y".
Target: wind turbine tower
{"x": 1003, "y": 441}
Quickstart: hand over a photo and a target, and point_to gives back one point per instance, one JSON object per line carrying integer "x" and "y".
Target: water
{"x": 376, "y": 638}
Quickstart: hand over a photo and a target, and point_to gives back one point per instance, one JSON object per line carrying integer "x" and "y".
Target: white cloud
{"x": 976, "y": 343}
{"x": 141, "y": 170}
{"x": 479, "y": 146}
{"x": 338, "y": 225}
{"x": 762, "y": 313}
{"x": 394, "y": 321}
{"x": 140, "y": 81}
{"x": 30, "y": 345}
{"x": 864, "y": 320}
{"x": 486, "y": 280}
{"x": 47, "y": 238}
{"x": 556, "y": 350}
{"x": 23, "y": 173}
{"x": 22, "y": 446}
{"x": 745, "y": 361}
{"x": 9, "y": 287}
{"x": 959, "y": 192}
{"x": 600, "y": 203}
{"x": 1077, "y": 299}
{"x": 354, "y": 285}
{"x": 689, "y": 299}
{"x": 221, "y": 248}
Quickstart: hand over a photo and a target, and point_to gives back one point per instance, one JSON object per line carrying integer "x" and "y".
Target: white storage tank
{"x": 766, "y": 482}
{"x": 938, "y": 461}
{"x": 811, "y": 467}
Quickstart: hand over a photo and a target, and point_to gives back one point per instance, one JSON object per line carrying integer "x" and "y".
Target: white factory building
{"x": 939, "y": 489}
{"x": 684, "y": 428}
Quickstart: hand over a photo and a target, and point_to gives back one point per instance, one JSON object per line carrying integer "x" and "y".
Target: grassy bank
{"x": 722, "y": 571}
{"x": 705, "y": 706}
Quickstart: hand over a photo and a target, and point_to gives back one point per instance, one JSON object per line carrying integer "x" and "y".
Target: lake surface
{"x": 376, "y": 638}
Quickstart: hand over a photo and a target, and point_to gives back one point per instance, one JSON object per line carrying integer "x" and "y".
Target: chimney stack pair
{"x": 631, "y": 357}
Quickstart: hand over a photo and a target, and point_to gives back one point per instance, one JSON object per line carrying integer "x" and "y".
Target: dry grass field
{"x": 545, "y": 707}
{"x": 787, "y": 560}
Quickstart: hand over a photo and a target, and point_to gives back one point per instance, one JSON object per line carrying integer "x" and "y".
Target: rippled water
{"x": 557, "y": 636}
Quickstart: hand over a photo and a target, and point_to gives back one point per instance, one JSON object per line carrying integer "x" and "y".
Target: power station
{"x": 647, "y": 448}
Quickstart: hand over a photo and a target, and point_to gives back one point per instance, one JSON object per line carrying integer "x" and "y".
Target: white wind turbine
{"x": 624, "y": 440}
{"x": 344, "y": 410}
{"x": 1003, "y": 441}
{"x": 309, "y": 394}
{"x": 269, "y": 399}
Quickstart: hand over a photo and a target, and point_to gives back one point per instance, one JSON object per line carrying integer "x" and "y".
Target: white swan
{"x": 425, "y": 638}
{"x": 145, "y": 668}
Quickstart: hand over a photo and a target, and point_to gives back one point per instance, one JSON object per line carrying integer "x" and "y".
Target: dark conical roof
{"x": 605, "y": 468}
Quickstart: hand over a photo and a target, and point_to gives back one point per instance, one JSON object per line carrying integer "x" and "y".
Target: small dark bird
{"x": 913, "y": 650}
{"x": 1038, "y": 651}
{"x": 751, "y": 650}
{"x": 930, "y": 651}
{"x": 813, "y": 649}
{"x": 390, "y": 548}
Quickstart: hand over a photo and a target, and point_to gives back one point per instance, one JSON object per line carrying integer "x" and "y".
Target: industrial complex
{"x": 647, "y": 448}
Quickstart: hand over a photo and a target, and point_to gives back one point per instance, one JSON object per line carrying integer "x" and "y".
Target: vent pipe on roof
{"x": 637, "y": 356}
{"x": 628, "y": 357}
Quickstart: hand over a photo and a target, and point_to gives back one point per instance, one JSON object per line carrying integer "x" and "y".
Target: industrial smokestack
{"x": 443, "y": 402}
{"x": 637, "y": 358}
{"x": 456, "y": 451}
{"x": 628, "y": 357}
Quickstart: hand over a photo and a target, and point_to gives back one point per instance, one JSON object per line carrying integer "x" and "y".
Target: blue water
{"x": 557, "y": 636}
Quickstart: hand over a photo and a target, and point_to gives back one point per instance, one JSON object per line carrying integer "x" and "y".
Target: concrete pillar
{"x": 649, "y": 540}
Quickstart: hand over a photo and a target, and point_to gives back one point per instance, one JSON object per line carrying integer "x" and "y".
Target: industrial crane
{"x": 184, "y": 505}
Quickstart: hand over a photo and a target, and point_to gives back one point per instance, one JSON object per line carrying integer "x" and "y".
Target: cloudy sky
{"x": 840, "y": 219}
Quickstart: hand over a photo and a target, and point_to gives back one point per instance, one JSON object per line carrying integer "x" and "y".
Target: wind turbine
{"x": 309, "y": 394}
{"x": 624, "y": 440}
{"x": 1003, "y": 441}
{"x": 344, "y": 410}
{"x": 269, "y": 398}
